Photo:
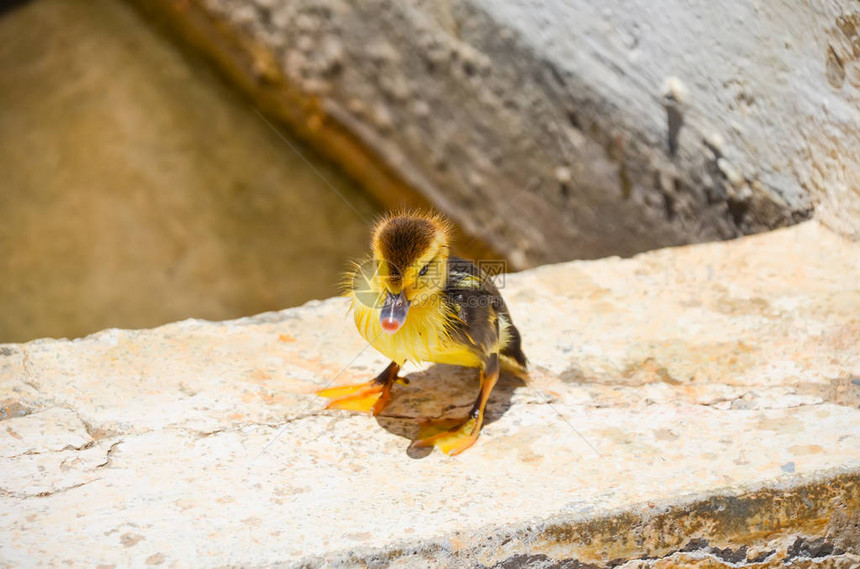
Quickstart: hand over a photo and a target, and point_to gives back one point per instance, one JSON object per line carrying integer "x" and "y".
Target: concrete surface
{"x": 695, "y": 407}
{"x": 138, "y": 188}
{"x": 567, "y": 129}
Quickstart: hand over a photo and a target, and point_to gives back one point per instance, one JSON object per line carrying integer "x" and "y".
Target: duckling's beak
{"x": 394, "y": 311}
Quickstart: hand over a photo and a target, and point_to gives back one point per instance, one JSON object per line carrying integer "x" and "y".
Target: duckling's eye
{"x": 423, "y": 271}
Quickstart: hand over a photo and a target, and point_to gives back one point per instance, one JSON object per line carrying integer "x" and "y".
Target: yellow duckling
{"x": 415, "y": 302}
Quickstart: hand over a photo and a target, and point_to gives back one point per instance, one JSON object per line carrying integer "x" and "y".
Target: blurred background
{"x": 139, "y": 187}
{"x": 167, "y": 159}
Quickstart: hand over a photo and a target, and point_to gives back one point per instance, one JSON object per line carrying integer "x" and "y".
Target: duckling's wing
{"x": 481, "y": 318}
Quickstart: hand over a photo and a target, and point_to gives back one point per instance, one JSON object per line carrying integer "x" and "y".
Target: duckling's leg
{"x": 370, "y": 397}
{"x": 456, "y": 440}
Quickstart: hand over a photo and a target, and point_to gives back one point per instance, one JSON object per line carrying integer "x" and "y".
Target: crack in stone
{"x": 108, "y": 454}
{"x": 236, "y": 427}
{"x": 94, "y": 431}
{"x": 67, "y": 448}
{"x": 24, "y": 496}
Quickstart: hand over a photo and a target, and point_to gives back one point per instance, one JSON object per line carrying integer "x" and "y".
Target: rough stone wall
{"x": 568, "y": 129}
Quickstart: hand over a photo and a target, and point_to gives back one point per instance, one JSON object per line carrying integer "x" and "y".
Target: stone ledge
{"x": 697, "y": 406}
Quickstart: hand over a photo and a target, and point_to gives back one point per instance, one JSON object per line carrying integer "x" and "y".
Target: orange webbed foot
{"x": 370, "y": 397}
{"x": 451, "y": 436}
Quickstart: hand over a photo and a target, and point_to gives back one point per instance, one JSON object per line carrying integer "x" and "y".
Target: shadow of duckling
{"x": 442, "y": 392}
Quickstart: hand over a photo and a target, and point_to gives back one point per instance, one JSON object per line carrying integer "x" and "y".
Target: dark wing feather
{"x": 479, "y": 306}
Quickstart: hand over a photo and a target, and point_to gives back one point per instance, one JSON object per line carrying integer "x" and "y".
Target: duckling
{"x": 415, "y": 302}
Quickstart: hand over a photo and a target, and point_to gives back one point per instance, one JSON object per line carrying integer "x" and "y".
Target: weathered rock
{"x": 669, "y": 123}
{"x": 697, "y": 406}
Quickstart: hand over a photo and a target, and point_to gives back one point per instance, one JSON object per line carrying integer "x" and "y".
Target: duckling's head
{"x": 411, "y": 251}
